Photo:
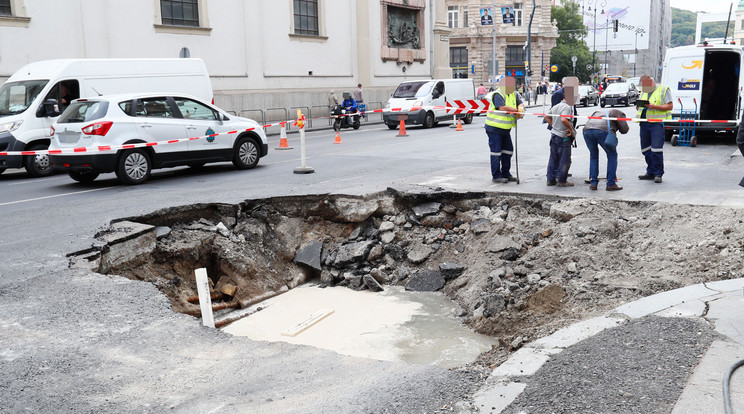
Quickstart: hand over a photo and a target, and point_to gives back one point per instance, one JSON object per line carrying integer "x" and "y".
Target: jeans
{"x": 560, "y": 158}
{"x": 594, "y": 138}
{"x": 499, "y": 140}
{"x": 652, "y": 147}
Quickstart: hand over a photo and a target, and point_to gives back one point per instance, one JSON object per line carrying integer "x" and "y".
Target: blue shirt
{"x": 349, "y": 104}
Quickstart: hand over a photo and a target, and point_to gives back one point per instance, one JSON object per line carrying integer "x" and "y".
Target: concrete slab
{"x": 726, "y": 313}
{"x": 727, "y": 285}
{"x": 684, "y": 310}
{"x": 524, "y": 362}
{"x": 661, "y": 301}
{"x": 704, "y": 392}
{"x": 570, "y": 335}
{"x": 496, "y": 399}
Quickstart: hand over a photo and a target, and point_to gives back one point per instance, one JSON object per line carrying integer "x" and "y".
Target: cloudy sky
{"x": 710, "y": 6}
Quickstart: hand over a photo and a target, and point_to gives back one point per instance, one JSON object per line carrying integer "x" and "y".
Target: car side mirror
{"x": 49, "y": 108}
{"x": 222, "y": 117}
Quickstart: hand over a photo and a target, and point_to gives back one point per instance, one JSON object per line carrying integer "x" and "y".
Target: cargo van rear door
{"x": 720, "y": 87}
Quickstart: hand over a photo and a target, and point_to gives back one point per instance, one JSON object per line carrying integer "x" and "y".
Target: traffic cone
{"x": 459, "y": 125}
{"x": 338, "y": 137}
{"x": 283, "y": 144}
{"x": 402, "y": 130}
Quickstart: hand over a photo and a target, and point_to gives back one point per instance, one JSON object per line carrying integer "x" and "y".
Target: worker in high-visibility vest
{"x": 499, "y": 125}
{"x": 659, "y": 107}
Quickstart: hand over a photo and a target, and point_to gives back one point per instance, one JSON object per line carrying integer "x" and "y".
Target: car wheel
{"x": 392, "y": 126}
{"x": 134, "y": 167}
{"x": 246, "y": 153}
{"x": 83, "y": 176}
{"x": 38, "y": 165}
{"x": 468, "y": 119}
{"x": 429, "y": 120}
{"x": 602, "y": 105}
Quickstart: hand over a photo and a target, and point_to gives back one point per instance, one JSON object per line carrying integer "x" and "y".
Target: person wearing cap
{"x": 349, "y": 103}
{"x": 499, "y": 125}
{"x": 659, "y": 107}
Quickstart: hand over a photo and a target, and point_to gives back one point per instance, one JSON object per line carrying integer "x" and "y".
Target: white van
{"x": 427, "y": 94}
{"x": 32, "y": 99}
{"x": 708, "y": 77}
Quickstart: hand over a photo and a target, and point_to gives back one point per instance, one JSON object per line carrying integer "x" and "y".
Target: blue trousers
{"x": 652, "y": 147}
{"x": 560, "y": 158}
{"x": 594, "y": 139}
{"x": 500, "y": 143}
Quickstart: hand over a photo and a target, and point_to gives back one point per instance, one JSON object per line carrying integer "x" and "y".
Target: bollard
{"x": 205, "y": 301}
{"x": 454, "y": 121}
{"x": 283, "y": 143}
{"x": 302, "y": 169}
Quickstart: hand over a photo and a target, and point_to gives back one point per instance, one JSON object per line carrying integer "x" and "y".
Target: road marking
{"x": 52, "y": 196}
{"x": 37, "y": 180}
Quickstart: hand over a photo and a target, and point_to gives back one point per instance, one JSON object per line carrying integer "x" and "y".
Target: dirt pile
{"x": 520, "y": 267}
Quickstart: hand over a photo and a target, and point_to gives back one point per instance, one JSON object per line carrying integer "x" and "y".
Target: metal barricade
{"x": 283, "y": 116}
{"x": 306, "y": 112}
{"x": 371, "y": 107}
{"x": 262, "y": 120}
{"x": 322, "y": 111}
{"x": 232, "y": 113}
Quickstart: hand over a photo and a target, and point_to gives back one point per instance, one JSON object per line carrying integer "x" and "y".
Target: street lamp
{"x": 635, "y": 58}
{"x": 594, "y": 27}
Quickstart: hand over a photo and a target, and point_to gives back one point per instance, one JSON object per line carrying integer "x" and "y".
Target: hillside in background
{"x": 683, "y": 28}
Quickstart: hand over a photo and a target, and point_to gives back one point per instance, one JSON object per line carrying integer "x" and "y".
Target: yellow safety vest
{"x": 655, "y": 99}
{"x": 497, "y": 119}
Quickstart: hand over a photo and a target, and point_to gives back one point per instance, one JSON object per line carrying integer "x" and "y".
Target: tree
{"x": 683, "y": 28}
{"x": 571, "y": 34}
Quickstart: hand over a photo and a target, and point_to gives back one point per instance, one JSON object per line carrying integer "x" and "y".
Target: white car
{"x": 146, "y": 132}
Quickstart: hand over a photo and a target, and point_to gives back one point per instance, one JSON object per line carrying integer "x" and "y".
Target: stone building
{"x": 471, "y": 40}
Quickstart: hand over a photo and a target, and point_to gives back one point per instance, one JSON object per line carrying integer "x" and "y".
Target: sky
{"x": 710, "y": 6}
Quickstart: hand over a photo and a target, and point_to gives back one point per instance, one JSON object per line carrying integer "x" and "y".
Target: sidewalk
{"x": 665, "y": 328}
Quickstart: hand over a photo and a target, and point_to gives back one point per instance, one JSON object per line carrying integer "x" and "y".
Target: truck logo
{"x": 695, "y": 64}
{"x": 689, "y": 86}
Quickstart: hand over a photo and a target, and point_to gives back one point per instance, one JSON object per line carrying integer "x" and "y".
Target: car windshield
{"x": 584, "y": 90}
{"x": 16, "y": 97}
{"x": 617, "y": 88}
{"x": 83, "y": 111}
{"x": 413, "y": 89}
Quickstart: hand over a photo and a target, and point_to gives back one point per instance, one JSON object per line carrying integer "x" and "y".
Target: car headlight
{"x": 10, "y": 126}
{"x": 418, "y": 103}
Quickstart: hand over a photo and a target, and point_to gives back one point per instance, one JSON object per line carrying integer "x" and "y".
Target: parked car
{"x": 623, "y": 93}
{"x": 635, "y": 81}
{"x": 588, "y": 95}
{"x": 117, "y": 120}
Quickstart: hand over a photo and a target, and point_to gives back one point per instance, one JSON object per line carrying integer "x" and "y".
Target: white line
{"x": 37, "y": 180}
{"x": 53, "y": 196}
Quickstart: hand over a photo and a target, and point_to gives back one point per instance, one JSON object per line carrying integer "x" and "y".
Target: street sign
{"x": 589, "y": 67}
{"x": 554, "y": 68}
{"x": 574, "y": 59}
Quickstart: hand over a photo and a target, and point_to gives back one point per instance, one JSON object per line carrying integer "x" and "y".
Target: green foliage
{"x": 683, "y": 28}
{"x": 571, "y": 32}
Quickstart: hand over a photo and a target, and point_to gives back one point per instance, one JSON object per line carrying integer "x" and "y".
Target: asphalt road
{"x": 44, "y": 219}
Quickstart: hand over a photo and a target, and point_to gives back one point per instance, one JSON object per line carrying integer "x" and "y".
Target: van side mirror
{"x": 49, "y": 108}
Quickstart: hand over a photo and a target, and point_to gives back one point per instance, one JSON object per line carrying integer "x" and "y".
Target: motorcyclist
{"x": 349, "y": 103}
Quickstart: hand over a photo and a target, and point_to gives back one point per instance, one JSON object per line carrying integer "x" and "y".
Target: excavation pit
{"x": 514, "y": 268}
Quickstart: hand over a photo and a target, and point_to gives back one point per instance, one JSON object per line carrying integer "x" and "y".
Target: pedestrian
{"x": 481, "y": 92}
{"x": 561, "y": 137}
{"x": 332, "y": 100}
{"x": 528, "y": 95}
{"x": 656, "y": 101}
{"x": 359, "y": 97}
{"x": 499, "y": 125}
{"x": 595, "y": 132}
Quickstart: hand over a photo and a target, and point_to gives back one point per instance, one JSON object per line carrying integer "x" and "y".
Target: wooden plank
{"x": 310, "y": 321}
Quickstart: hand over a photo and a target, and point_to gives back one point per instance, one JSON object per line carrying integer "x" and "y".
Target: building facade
{"x": 259, "y": 53}
{"x": 475, "y": 24}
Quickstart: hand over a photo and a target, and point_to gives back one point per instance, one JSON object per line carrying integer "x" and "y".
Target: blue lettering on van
{"x": 688, "y": 86}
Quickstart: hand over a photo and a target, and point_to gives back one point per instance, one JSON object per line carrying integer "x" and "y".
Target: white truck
{"x": 33, "y": 97}
{"x": 707, "y": 81}
{"x": 423, "y": 102}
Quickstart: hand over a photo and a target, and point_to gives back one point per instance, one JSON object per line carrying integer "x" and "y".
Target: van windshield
{"x": 413, "y": 89}
{"x": 16, "y": 97}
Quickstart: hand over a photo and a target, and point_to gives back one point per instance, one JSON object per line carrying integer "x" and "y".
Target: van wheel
{"x": 83, "y": 176}
{"x": 2, "y": 170}
{"x": 392, "y": 126}
{"x": 429, "y": 120}
{"x": 246, "y": 153}
{"x": 468, "y": 119}
{"x": 38, "y": 165}
{"x": 134, "y": 167}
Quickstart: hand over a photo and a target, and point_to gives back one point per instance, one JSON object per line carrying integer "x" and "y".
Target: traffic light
{"x": 529, "y": 73}
{"x": 615, "y": 25}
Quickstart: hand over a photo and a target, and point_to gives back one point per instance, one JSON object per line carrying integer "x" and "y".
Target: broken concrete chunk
{"x": 356, "y": 233}
{"x": 501, "y": 243}
{"x": 387, "y": 237}
{"x": 229, "y": 289}
{"x": 375, "y": 253}
{"x": 162, "y": 231}
{"x": 354, "y": 210}
{"x": 426, "y": 281}
{"x": 451, "y": 270}
{"x": 419, "y": 253}
{"x": 309, "y": 254}
{"x": 565, "y": 211}
{"x": 480, "y": 226}
{"x": 493, "y": 305}
{"x": 426, "y": 209}
{"x": 572, "y": 267}
{"x": 372, "y": 284}
{"x": 547, "y": 233}
{"x": 533, "y": 278}
{"x": 353, "y": 252}
{"x": 222, "y": 230}
{"x": 356, "y": 282}
{"x": 127, "y": 242}
{"x": 510, "y": 254}
{"x": 386, "y": 226}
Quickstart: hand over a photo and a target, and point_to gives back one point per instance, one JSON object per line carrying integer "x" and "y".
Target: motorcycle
{"x": 345, "y": 119}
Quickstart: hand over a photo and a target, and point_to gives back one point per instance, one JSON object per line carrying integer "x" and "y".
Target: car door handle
{"x": 191, "y": 127}
{"x": 146, "y": 126}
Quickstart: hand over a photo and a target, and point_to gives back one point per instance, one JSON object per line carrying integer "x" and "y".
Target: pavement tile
{"x": 727, "y": 285}
{"x": 524, "y": 362}
{"x": 728, "y": 315}
{"x": 689, "y": 309}
{"x": 570, "y": 335}
{"x": 496, "y": 399}
{"x": 704, "y": 392}
{"x": 660, "y": 301}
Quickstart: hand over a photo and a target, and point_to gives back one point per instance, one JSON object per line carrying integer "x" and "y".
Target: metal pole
{"x": 493, "y": 51}
{"x": 607, "y": 23}
{"x": 635, "y": 57}
{"x": 594, "y": 42}
{"x": 529, "y": 45}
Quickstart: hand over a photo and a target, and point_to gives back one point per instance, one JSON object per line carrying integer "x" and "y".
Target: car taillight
{"x": 99, "y": 128}
{"x": 51, "y": 131}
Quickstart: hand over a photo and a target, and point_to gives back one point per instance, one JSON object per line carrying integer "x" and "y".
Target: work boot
{"x": 646, "y": 177}
{"x": 554, "y": 182}
{"x": 657, "y": 179}
{"x": 614, "y": 187}
{"x": 512, "y": 178}
{"x": 565, "y": 184}
{"x": 500, "y": 180}
{"x": 593, "y": 187}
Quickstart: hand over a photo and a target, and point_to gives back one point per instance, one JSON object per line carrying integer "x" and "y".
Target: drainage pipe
{"x": 726, "y": 381}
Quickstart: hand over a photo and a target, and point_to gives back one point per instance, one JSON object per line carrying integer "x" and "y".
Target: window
{"x": 306, "y": 17}
{"x": 154, "y": 107}
{"x": 742, "y": 24}
{"x": 64, "y": 92}
{"x": 453, "y": 15}
{"x": 195, "y": 110}
{"x": 459, "y": 62}
{"x": 515, "y": 55}
{"x": 5, "y": 8}
{"x": 465, "y": 21}
{"x": 180, "y": 12}
{"x": 518, "y": 14}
